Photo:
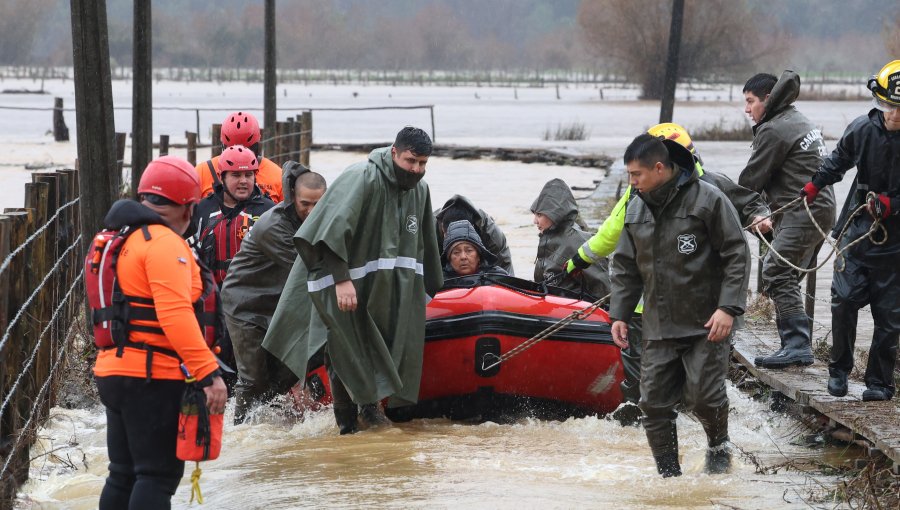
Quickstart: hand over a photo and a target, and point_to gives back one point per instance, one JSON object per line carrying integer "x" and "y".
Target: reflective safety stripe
{"x": 375, "y": 265}
{"x": 588, "y": 252}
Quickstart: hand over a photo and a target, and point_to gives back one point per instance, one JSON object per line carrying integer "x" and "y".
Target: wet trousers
{"x": 859, "y": 284}
{"x": 141, "y": 428}
{"x": 781, "y": 282}
{"x": 690, "y": 370}
{"x": 260, "y": 373}
{"x": 631, "y": 361}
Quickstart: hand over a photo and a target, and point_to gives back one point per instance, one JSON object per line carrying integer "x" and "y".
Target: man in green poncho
{"x": 373, "y": 260}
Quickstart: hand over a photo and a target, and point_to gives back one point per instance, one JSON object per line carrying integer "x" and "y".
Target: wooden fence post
{"x": 13, "y": 354}
{"x": 306, "y": 138}
{"x": 280, "y": 142}
{"x": 60, "y": 131}
{"x": 121, "y": 138}
{"x": 36, "y": 199}
{"x": 7, "y": 484}
{"x": 215, "y": 142}
{"x": 163, "y": 145}
{"x": 296, "y": 127}
{"x": 191, "y": 147}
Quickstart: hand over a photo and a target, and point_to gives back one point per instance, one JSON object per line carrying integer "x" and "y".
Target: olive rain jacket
{"x": 875, "y": 152}
{"x": 258, "y": 271}
{"x": 491, "y": 235}
{"x": 560, "y": 242}
{"x": 687, "y": 256}
{"x": 787, "y": 150}
{"x": 385, "y": 236}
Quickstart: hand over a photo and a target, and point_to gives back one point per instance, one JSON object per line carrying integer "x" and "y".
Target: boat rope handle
{"x": 836, "y": 250}
{"x": 584, "y": 313}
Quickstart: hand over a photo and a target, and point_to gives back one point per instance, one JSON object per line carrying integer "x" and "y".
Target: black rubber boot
{"x": 372, "y": 416}
{"x": 797, "y": 348}
{"x": 837, "y": 383}
{"x": 346, "y": 419}
{"x": 667, "y": 465}
{"x": 628, "y": 415}
{"x": 876, "y": 394}
{"x": 718, "y": 459}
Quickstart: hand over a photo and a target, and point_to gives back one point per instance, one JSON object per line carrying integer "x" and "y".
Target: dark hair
{"x": 647, "y": 150}
{"x": 309, "y": 180}
{"x": 157, "y": 199}
{"x": 457, "y": 213}
{"x": 414, "y": 140}
{"x": 761, "y": 85}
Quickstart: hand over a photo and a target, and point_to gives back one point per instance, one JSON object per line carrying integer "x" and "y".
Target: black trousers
{"x": 141, "y": 429}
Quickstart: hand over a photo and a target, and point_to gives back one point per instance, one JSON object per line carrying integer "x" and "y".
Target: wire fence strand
{"x": 32, "y": 237}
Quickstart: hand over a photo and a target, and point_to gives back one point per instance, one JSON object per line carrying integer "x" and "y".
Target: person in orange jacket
{"x": 242, "y": 128}
{"x": 141, "y": 386}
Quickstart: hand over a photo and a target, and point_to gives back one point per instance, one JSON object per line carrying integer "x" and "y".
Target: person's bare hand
{"x": 216, "y": 395}
{"x": 719, "y": 326}
{"x": 620, "y": 334}
{"x": 762, "y": 224}
{"x": 346, "y": 296}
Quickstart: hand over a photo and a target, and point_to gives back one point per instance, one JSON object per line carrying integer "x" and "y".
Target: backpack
{"x": 112, "y": 311}
{"x": 219, "y": 241}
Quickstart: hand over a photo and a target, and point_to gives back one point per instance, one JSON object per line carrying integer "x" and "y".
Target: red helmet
{"x": 240, "y": 128}
{"x": 173, "y": 178}
{"x": 237, "y": 158}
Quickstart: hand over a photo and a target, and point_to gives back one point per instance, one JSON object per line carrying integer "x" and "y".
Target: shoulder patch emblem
{"x": 412, "y": 224}
{"x": 687, "y": 243}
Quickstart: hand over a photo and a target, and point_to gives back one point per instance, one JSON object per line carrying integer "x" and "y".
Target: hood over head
{"x": 462, "y": 230}
{"x": 289, "y": 173}
{"x": 557, "y": 203}
{"x": 784, "y": 93}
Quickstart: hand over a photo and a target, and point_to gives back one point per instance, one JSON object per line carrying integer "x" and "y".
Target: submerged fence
{"x": 41, "y": 296}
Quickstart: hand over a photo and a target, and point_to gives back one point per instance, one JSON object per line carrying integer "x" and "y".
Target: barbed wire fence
{"x": 41, "y": 308}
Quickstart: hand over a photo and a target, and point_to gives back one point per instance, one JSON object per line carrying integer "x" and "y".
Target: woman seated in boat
{"x": 464, "y": 253}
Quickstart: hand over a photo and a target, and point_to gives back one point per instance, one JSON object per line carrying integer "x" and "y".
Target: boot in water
{"x": 797, "y": 349}
{"x": 718, "y": 459}
{"x": 667, "y": 465}
{"x": 345, "y": 416}
{"x": 372, "y": 416}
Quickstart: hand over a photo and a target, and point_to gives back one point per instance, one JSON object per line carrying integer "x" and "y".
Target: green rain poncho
{"x": 386, "y": 237}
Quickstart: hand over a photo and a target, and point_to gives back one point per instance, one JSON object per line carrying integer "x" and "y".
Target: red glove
{"x": 879, "y": 207}
{"x": 809, "y": 192}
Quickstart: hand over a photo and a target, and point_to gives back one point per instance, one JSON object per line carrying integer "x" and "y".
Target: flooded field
{"x": 281, "y": 462}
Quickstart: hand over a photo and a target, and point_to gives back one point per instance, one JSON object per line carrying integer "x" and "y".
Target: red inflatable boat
{"x": 476, "y": 319}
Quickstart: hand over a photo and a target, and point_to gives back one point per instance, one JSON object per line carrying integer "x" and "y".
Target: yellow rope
{"x": 195, "y": 484}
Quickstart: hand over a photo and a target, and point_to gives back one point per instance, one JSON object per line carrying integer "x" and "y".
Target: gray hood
{"x": 557, "y": 203}
{"x": 783, "y": 95}
{"x": 289, "y": 173}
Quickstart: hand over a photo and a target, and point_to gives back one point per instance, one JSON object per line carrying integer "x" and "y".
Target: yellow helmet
{"x": 885, "y": 87}
{"x": 672, "y": 131}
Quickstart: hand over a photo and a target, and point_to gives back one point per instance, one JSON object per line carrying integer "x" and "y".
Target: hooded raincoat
{"x": 463, "y": 231}
{"x": 385, "y": 236}
{"x": 491, "y": 235}
{"x": 560, "y": 242}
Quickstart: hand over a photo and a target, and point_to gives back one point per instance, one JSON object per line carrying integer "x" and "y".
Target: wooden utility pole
{"x": 270, "y": 79}
{"x": 98, "y": 181}
{"x": 667, "y": 108}
{"x": 142, "y": 93}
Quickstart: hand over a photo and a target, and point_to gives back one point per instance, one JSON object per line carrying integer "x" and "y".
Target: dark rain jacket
{"x": 687, "y": 255}
{"x": 561, "y": 242}
{"x": 787, "y": 150}
{"x": 493, "y": 238}
{"x": 258, "y": 271}
{"x": 385, "y": 237}
{"x": 875, "y": 152}
{"x": 214, "y": 219}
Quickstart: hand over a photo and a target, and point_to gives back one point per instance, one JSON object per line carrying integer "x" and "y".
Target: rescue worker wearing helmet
{"x": 141, "y": 388}
{"x": 242, "y": 128}
{"x": 255, "y": 281}
{"x": 750, "y": 207}
{"x": 871, "y": 274}
{"x": 683, "y": 251}
{"x": 225, "y": 217}
{"x": 786, "y": 151}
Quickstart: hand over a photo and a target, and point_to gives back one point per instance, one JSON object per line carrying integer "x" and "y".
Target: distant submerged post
{"x": 270, "y": 80}
{"x": 667, "y": 108}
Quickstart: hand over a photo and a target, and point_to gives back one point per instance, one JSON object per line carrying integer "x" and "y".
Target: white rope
{"x": 37, "y": 289}
{"x": 31, "y": 238}
{"x": 24, "y": 370}
{"x": 37, "y": 402}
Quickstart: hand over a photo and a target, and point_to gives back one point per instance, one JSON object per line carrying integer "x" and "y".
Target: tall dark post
{"x": 99, "y": 182}
{"x": 142, "y": 93}
{"x": 667, "y": 107}
{"x": 270, "y": 78}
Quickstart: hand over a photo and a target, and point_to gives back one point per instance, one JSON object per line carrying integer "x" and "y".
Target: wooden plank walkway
{"x": 878, "y": 422}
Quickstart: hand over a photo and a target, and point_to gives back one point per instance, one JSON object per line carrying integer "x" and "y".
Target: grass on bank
{"x": 573, "y": 131}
